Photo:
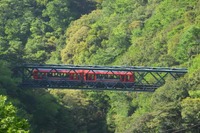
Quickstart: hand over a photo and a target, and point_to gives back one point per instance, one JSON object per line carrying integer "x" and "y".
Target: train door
{"x": 131, "y": 78}
{"x": 35, "y": 74}
{"x": 125, "y": 78}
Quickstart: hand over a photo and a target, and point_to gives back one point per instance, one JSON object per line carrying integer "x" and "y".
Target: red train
{"x": 85, "y": 76}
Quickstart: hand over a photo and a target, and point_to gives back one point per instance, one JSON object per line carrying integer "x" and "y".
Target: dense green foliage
{"x": 122, "y": 34}
{"x": 10, "y": 117}
{"x": 9, "y": 122}
{"x": 33, "y": 30}
{"x": 101, "y": 32}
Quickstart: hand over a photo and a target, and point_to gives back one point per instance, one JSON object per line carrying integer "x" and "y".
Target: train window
{"x": 99, "y": 76}
{"x": 110, "y": 76}
{"x": 77, "y": 76}
{"x": 90, "y": 77}
{"x": 62, "y": 74}
{"x": 102, "y": 76}
{"x": 74, "y": 76}
{"x": 127, "y": 77}
{"x": 107, "y": 76}
{"x": 65, "y": 75}
{"x": 58, "y": 74}
{"x": 80, "y": 76}
{"x": 49, "y": 74}
{"x": 53, "y": 74}
{"x": 41, "y": 75}
{"x": 122, "y": 77}
{"x": 116, "y": 76}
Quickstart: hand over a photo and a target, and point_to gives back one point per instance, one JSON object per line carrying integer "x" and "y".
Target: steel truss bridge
{"x": 145, "y": 78}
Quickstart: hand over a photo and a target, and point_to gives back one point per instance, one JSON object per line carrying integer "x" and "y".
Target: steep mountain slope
{"x": 144, "y": 33}
{"x": 154, "y": 33}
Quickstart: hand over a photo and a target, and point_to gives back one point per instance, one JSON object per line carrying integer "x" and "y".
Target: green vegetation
{"x": 9, "y": 121}
{"x": 11, "y": 117}
{"x": 101, "y": 32}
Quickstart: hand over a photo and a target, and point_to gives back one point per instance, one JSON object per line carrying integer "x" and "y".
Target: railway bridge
{"x": 118, "y": 78}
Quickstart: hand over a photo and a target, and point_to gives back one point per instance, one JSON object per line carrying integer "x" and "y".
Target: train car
{"x": 58, "y": 74}
{"x": 99, "y": 78}
{"x": 96, "y": 75}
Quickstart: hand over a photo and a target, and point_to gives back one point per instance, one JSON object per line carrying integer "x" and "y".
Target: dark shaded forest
{"x": 156, "y": 33}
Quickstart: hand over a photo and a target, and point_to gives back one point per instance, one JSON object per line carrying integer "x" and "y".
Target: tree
{"x": 9, "y": 120}
{"x": 189, "y": 45}
{"x": 190, "y": 110}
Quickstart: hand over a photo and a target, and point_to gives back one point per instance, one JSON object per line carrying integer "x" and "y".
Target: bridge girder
{"x": 145, "y": 78}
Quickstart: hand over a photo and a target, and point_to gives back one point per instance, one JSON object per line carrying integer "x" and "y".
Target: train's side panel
{"x": 84, "y": 75}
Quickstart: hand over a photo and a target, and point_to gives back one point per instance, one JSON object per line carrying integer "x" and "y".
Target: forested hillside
{"x": 163, "y": 33}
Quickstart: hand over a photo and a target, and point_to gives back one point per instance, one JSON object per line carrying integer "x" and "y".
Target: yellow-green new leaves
{"x": 191, "y": 110}
{"x": 9, "y": 121}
